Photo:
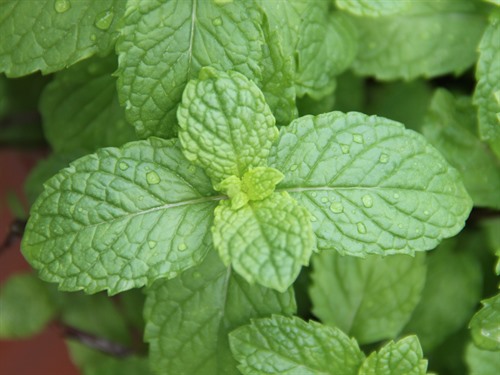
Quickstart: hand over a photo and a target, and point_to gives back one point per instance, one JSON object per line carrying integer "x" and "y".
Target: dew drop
{"x": 337, "y": 207}
{"x": 152, "y": 178}
{"x": 152, "y": 244}
{"x": 182, "y": 247}
{"x": 361, "y": 228}
{"x": 324, "y": 199}
{"x": 314, "y": 218}
{"x": 396, "y": 196}
{"x": 80, "y": 209}
{"x": 62, "y": 6}
{"x": 93, "y": 37}
{"x": 293, "y": 167}
{"x": 426, "y": 212}
{"x": 123, "y": 166}
{"x": 314, "y": 194}
{"x": 358, "y": 138}
{"x": 384, "y": 158}
{"x": 367, "y": 201}
{"x": 345, "y": 149}
{"x": 400, "y": 226}
{"x": 191, "y": 169}
{"x": 141, "y": 197}
{"x": 217, "y": 21}
{"x": 104, "y": 19}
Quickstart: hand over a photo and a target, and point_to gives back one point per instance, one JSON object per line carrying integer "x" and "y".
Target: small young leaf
{"x": 289, "y": 346}
{"x": 485, "y": 325}
{"x": 402, "y": 357}
{"x": 429, "y": 38}
{"x": 50, "y": 35}
{"x": 26, "y": 306}
{"x": 370, "y": 185}
{"x": 482, "y": 362}
{"x": 487, "y": 93}
{"x": 121, "y": 218}
{"x": 189, "y": 317}
{"x": 372, "y": 298}
{"x": 372, "y": 8}
{"x": 266, "y": 241}
{"x": 80, "y": 108}
{"x": 226, "y": 126}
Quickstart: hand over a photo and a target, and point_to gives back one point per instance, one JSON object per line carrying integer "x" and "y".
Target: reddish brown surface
{"x": 44, "y": 354}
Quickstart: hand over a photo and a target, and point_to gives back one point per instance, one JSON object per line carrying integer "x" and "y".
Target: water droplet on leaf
{"x": 217, "y": 21}
{"x": 104, "y": 19}
{"x": 152, "y": 244}
{"x": 314, "y": 194}
{"x": 361, "y": 228}
{"x": 426, "y": 212}
{"x": 62, "y": 6}
{"x": 395, "y": 195}
{"x": 384, "y": 158}
{"x": 324, "y": 199}
{"x": 93, "y": 37}
{"x": 314, "y": 218}
{"x": 152, "y": 178}
{"x": 123, "y": 166}
{"x": 182, "y": 247}
{"x": 345, "y": 149}
{"x": 367, "y": 201}
{"x": 337, "y": 207}
{"x": 358, "y": 138}
{"x": 293, "y": 167}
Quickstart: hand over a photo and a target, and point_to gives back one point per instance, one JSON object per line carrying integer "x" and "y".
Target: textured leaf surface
{"x": 482, "y": 362}
{"x": 266, "y": 241}
{"x": 402, "y": 357}
{"x": 50, "y": 35}
{"x": 372, "y": 8}
{"x": 451, "y": 126}
{"x": 372, "y": 298}
{"x": 487, "y": 94}
{"x": 485, "y": 325}
{"x": 80, "y": 108}
{"x": 165, "y": 44}
{"x": 444, "y": 309}
{"x": 370, "y": 185}
{"x": 226, "y": 126}
{"x": 25, "y": 306}
{"x": 282, "y": 345}
{"x": 431, "y": 38}
{"x": 189, "y": 317}
{"x": 121, "y": 218}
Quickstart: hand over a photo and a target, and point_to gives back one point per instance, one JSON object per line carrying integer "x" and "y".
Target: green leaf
{"x": 26, "y": 306}
{"x": 482, "y": 362}
{"x": 451, "y": 126}
{"x": 266, "y": 241}
{"x": 189, "y": 317}
{"x": 281, "y": 345}
{"x": 80, "y": 108}
{"x": 121, "y": 218}
{"x": 442, "y": 309}
{"x": 485, "y": 325}
{"x": 370, "y": 185}
{"x": 372, "y": 8}
{"x": 402, "y": 357}
{"x": 428, "y": 39}
{"x": 487, "y": 93}
{"x": 107, "y": 365}
{"x": 226, "y": 126}
{"x": 50, "y": 35}
{"x": 372, "y": 298}
{"x": 165, "y": 44}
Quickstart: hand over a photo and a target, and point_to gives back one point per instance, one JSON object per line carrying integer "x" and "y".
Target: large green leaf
{"x": 226, "y": 126}
{"x": 482, "y": 362}
{"x": 291, "y": 346}
{"x": 50, "y": 35}
{"x": 370, "y": 185}
{"x": 189, "y": 318}
{"x": 266, "y": 241}
{"x": 451, "y": 126}
{"x": 372, "y": 298}
{"x": 429, "y": 38}
{"x": 80, "y": 108}
{"x": 485, "y": 325}
{"x": 121, "y": 218}
{"x": 164, "y": 44}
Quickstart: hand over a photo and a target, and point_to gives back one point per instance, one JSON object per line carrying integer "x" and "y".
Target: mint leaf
{"x": 451, "y": 126}
{"x": 402, "y": 357}
{"x": 372, "y": 8}
{"x": 370, "y": 185}
{"x": 481, "y": 362}
{"x": 189, "y": 317}
{"x": 443, "y": 310}
{"x": 311, "y": 348}
{"x": 80, "y": 108}
{"x": 429, "y": 38}
{"x": 165, "y": 44}
{"x": 107, "y": 365}
{"x": 50, "y": 35}
{"x": 487, "y": 92}
{"x": 226, "y": 126}
{"x": 26, "y": 306}
{"x": 266, "y": 241}
{"x": 121, "y": 218}
{"x": 372, "y": 298}
{"x": 485, "y": 327}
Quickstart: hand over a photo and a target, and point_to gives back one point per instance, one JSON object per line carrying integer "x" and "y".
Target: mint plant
{"x": 238, "y": 177}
